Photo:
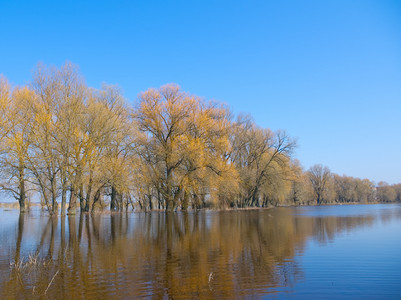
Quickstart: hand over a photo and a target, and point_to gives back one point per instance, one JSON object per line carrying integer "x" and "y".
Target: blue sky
{"x": 328, "y": 72}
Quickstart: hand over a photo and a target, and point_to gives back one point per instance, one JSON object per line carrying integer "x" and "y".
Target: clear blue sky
{"x": 329, "y": 72}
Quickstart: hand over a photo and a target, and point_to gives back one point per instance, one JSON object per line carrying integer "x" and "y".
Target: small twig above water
{"x": 51, "y": 282}
{"x": 210, "y": 280}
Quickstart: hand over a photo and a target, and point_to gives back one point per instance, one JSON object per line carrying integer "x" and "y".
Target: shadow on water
{"x": 178, "y": 255}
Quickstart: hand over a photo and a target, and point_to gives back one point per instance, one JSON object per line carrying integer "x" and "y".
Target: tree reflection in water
{"x": 179, "y": 255}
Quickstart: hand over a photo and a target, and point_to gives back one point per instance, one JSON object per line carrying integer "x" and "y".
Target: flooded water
{"x": 330, "y": 252}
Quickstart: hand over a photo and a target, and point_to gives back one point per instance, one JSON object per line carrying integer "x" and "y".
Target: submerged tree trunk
{"x": 168, "y": 190}
{"x": 150, "y": 201}
{"x": 73, "y": 202}
{"x": 170, "y": 204}
{"x": 96, "y": 199}
{"x": 113, "y": 201}
{"x": 255, "y": 197}
{"x": 21, "y": 221}
{"x": 160, "y": 200}
{"x": 63, "y": 197}
{"x": 88, "y": 199}
{"x": 81, "y": 198}
{"x": 88, "y": 204}
{"x": 185, "y": 201}
{"x": 22, "y": 195}
{"x": 54, "y": 195}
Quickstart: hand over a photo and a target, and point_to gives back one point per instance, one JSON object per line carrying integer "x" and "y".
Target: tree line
{"x": 73, "y": 146}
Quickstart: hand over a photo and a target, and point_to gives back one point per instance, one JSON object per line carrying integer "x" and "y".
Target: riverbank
{"x": 15, "y": 206}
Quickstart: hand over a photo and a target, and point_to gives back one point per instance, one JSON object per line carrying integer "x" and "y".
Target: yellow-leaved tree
{"x": 17, "y": 115}
{"x": 182, "y": 143}
{"x": 262, "y": 158}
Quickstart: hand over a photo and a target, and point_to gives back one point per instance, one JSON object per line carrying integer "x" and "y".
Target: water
{"x": 328, "y": 252}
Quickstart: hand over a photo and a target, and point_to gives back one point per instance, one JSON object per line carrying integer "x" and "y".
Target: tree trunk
{"x": 81, "y": 198}
{"x": 132, "y": 202}
{"x": 150, "y": 201}
{"x": 88, "y": 200}
{"x": 168, "y": 191}
{"x": 160, "y": 200}
{"x": 113, "y": 201}
{"x": 72, "y": 203}
{"x": 88, "y": 204}
{"x": 22, "y": 195}
{"x": 63, "y": 199}
{"x": 255, "y": 197}
{"x": 54, "y": 195}
{"x": 21, "y": 221}
{"x": 185, "y": 201}
{"x": 96, "y": 199}
{"x": 170, "y": 204}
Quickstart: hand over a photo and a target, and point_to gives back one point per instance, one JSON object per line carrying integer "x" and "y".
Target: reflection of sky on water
{"x": 345, "y": 210}
{"x": 8, "y": 216}
{"x": 362, "y": 264}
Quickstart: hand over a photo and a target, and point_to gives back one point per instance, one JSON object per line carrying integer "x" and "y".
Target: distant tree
{"x": 365, "y": 190}
{"x": 345, "y": 188}
{"x": 319, "y": 176}
{"x": 397, "y": 189}
{"x": 262, "y": 158}
{"x": 385, "y": 193}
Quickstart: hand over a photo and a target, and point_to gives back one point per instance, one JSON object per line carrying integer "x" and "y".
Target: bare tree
{"x": 319, "y": 176}
{"x": 262, "y": 158}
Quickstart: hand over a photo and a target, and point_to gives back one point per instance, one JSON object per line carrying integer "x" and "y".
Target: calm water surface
{"x": 329, "y": 252}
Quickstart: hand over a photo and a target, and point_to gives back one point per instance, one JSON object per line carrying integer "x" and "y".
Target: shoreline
{"x": 15, "y": 206}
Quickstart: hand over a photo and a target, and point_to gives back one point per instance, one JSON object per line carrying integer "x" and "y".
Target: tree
{"x": 182, "y": 142}
{"x": 44, "y": 162}
{"x": 319, "y": 176}
{"x": 349, "y": 189}
{"x": 397, "y": 189}
{"x": 98, "y": 128}
{"x": 163, "y": 117}
{"x": 70, "y": 97}
{"x": 262, "y": 159}
{"x": 119, "y": 151}
{"x": 14, "y": 144}
{"x": 385, "y": 192}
